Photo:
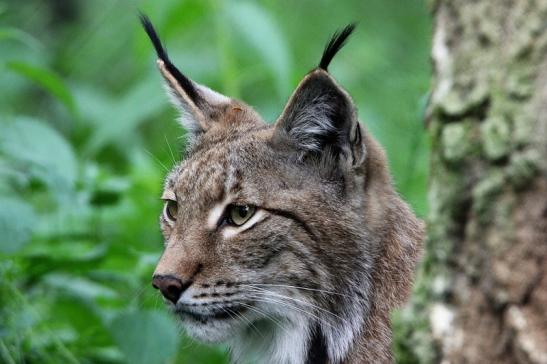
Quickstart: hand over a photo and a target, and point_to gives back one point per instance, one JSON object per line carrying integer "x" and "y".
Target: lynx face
{"x": 276, "y": 236}
{"x": 246, "y": 231}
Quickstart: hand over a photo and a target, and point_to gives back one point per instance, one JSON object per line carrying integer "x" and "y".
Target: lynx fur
{"x": 287, "y": 241}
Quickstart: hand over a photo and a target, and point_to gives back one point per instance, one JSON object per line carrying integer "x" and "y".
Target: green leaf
{"x": 145, "y": 337}
{"x": 117, "y": 118}
{"x": 17, "y": 220}
{"x": 78, "y": 287}
{"x": 66, "y": 251}
{"x": 259, "y": 29}
{"x": 48, "y": 80}
{"x": 33, "y": 143}
{"x": 20, "y": 36}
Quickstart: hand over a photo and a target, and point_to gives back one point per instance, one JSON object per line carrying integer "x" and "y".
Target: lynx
{"x": 287, "y": 241}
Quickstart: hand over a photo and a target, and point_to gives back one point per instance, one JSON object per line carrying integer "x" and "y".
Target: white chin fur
{"x": 212, "y": 332}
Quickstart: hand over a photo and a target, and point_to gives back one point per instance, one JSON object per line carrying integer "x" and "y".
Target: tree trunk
{"x": 488, "y": 190}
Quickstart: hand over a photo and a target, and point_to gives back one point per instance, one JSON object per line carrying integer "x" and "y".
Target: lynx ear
{"x": 196, "y": 102}
{"x": 320, "y": 119}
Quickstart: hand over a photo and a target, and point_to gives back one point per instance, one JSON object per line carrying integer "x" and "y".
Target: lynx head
{"x": 273, "y": 233}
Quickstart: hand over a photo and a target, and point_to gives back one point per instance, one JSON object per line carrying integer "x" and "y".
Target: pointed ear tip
{"x": 319, "y": 72}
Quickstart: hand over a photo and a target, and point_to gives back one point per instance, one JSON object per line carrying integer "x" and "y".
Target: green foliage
{"x": 29, "y": 144}
{"x": 136, "y": 335}
{"x": 47, "y": 79}
{"x": 16, "y": 222}
{"x": 87, "y": 135}
{"x": 258, "y": 27}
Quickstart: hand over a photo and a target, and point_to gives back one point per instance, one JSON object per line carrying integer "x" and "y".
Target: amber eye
{"x": 239, "y": 214}
{"x": 170, "y": 210}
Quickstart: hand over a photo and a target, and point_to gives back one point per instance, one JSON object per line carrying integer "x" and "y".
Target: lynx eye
{"x": 170, "y": 210}
{"x": 239, "y": 214}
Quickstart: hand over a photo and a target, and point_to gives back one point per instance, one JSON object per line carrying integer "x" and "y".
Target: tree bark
{"x": 487, "y": 245}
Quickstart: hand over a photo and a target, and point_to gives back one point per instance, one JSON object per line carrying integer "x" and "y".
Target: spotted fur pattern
{"x": 330, "y": 250}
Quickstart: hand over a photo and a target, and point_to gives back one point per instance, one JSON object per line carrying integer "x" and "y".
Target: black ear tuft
{"x": 335, "y": 43}
{"x": 183, "y": 81}
{"x": 149, "y": 28}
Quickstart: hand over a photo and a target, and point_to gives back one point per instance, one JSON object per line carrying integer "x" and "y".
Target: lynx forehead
{"x": 286, "y": 241}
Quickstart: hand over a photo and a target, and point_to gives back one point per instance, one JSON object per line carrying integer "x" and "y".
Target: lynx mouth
{"x": 219, "y": 313}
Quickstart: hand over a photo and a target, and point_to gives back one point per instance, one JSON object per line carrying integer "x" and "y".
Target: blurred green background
{"x": 87, "y": 134}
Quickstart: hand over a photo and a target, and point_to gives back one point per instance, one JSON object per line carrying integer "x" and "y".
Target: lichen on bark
{"x": 483, "y": 283}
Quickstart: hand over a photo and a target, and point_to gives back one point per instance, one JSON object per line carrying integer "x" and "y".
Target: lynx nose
{"x": 170, "y": 287}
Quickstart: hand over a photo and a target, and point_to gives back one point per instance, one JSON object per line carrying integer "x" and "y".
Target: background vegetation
{"x": 86, "y": 136}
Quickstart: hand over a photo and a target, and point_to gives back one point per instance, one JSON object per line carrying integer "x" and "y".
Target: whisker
{"x": 300, "y": 301}
{"x": 319, "y": 319}
{"x": 158, "y": 297}
{"x": 291, "y": 306}
{"x": 229, "y": 312}
{"x": 136, "y": 294}
{"x": 310, "y": 305}
{"x": 170, "y": 150}
{"x": 265, "y": 315}
{"x": 157, "y": 160}
{"x": 299, "y": 287}
{"x": 188, "y": 343}
{"x": 243, "y": 318}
